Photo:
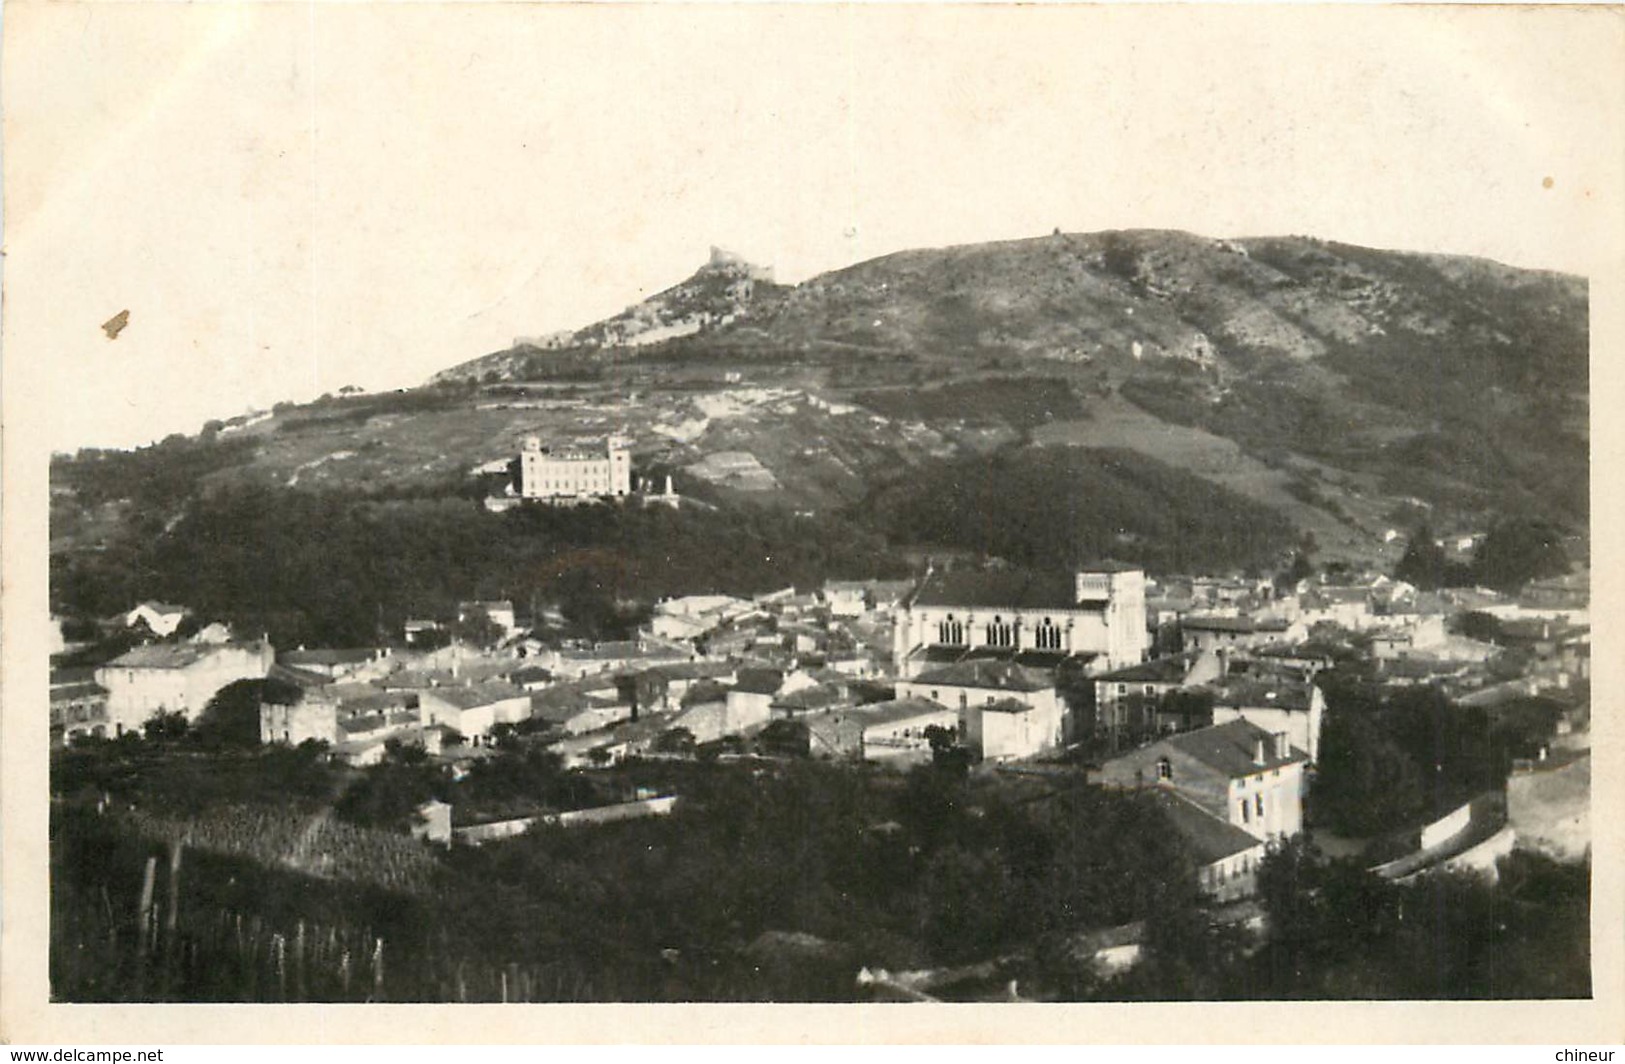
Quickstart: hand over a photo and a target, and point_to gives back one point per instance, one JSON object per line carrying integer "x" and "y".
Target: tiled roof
{"x": 1229, "y": 748}
{"x": 376, "y": 702}
{"x": 1248, "y": 693}
{"x": 759, "y": 681}
{"x": 558, "y": 704}
{"x": 477, "y": 695}
{"x": 1108, "y": 565}
{"x": 170, "y": 655}
{"x": 902, "y": 709}
{"x": 1233, "y": 624}
{"x": 1005, "y": 705}
{"x": 997, "y": 675}
{"x": 1171, "y": 669}
{"x": 992, "y": 589}
{"x": 297, "y": 677}
{"x": 323, "y": 656}
{"x": 810, "y": 698}
{"x": 1208, "y": 838}
{"x": 82, "y": 689}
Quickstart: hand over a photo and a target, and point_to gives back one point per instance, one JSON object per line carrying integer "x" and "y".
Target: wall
{"x": 310, "y": 718}
{"x": 1233, "y": 878}
{"x": 1551, "y": 809}
{"x": 1447, "y": 827}
{"x": 1301, "y": 726}
{"x": 997, "y": 734}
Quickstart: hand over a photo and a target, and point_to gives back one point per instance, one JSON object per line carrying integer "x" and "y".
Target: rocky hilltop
{"x": 1348, "y": 392}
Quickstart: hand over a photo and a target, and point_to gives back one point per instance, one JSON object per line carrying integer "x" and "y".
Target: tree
{"x": 476, "y": 628}
{"x": 1518, "y": 550}
{"x": 164, "y": 727}
{"x": 784, "y": 738}
{"x": 1476, "y": 624}
{"x": 1366, "y": 784}
{"x": 947, "y": 752}
{"x": 675, "y": 741}
{"x": 1425, "y": 564}
{"x": 232, "y": 716}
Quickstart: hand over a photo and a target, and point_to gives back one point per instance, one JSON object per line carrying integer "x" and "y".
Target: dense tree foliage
{"x": 1391, "y": 757}
{"x": 244, "y": 555}
{"x": 1426, "y": 565}
{"x": 1061, "y": 505}
{"x": 232, "y": 716}
{"x": 1338, "y": 931}
{"x": 1518, "y": 550}
{"x": 1515, "y": 551}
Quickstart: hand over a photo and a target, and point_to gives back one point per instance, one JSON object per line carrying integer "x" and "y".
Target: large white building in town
{"x": 175, "y": 678}
{"x": 575, "y": 472}
{"x": 1095, "y": 614}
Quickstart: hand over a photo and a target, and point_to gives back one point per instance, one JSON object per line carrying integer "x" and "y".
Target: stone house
{"x": 175, "y": 678}
{"x": 1236, "y": 771}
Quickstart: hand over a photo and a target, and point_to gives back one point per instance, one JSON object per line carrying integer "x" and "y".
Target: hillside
{"x": 1453, "y": 381}
{"x": 1133, "y": 386}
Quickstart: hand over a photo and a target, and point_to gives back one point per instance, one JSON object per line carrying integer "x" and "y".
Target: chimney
{"x": 1259, "y": 757}
{"x": 1283, "y": 748}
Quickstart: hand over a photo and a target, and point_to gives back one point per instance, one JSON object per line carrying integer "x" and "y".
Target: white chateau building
{"x": 575, "y": 472}
{"x": 1096, "y": 614}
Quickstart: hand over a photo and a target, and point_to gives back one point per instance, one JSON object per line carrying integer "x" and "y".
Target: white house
{"x": 175, "y": 678}
{"x": 1004, "y": 710}
{"x": 1286, "y": 707}
{"x": 474, "y": 710}
{"x": 897, "y": 729}
{"x": 1236, "y": 771}
{"x": 161, "y": 618}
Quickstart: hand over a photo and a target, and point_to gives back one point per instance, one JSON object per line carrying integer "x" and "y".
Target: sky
{"x": 292, "y": 198}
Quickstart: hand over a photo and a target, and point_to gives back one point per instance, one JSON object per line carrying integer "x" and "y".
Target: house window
{"x": 1047, "y": 636}
{"x": 1000, "y": 633}
{"x": 1165, "y": 769}
{"x": 951, "y": 631}
{"x": 1246, "y": 818}
{"x": 1122, "y": 689}
{"x": 1150, "y": 690}
{"x": 1259, "y": 799}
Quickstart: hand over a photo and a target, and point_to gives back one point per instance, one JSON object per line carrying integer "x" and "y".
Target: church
{"x": 1094, "y": 615}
